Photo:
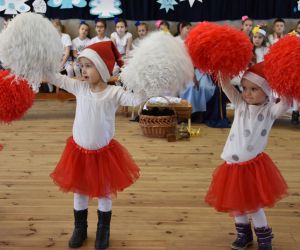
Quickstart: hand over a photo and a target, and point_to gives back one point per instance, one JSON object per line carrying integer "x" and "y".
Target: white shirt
{"x": 96, "y": 39}
{"x": 251, "y": 126}
{"x": 94, "y": 124}
{"x": 121, "y": 42}
{"x": 79, "y": 45}
{"x": 260, "y": 53}
{"x": 179, "y": 39}
{"x": 66, "y": 40}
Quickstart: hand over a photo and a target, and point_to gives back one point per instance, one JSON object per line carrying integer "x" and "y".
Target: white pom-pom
{"x": 159, "y": 65}
{"x": 31, "y": 47}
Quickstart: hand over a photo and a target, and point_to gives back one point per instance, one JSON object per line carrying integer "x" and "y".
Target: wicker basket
{"x": 157, "y": 126}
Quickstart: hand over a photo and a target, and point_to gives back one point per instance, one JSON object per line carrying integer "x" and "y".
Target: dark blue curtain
{"x": 210, "y": 10}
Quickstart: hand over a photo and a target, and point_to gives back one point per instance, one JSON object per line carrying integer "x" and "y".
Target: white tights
{"x": 258, "y": 218}
{"x": 81, "y": 202}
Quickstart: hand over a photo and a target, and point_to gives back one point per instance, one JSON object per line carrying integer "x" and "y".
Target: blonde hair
{"x": 57, "y": 24}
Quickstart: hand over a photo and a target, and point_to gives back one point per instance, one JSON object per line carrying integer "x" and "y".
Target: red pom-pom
{"x": 282, "y": 68}
{"x": 215, "y": 48}
{"x": 16, "y": 97}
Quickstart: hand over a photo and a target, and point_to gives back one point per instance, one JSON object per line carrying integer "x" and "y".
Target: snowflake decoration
{"x": 167, "y": 4}
{"x": 105, "y": 8}
{"x": 12, "y": 7}
{"x": 67, "y": 4}
{"x": 192, "y": 2}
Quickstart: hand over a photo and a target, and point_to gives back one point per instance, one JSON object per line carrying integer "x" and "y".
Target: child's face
{"x": 252, "y": 94}
{"x": 142, "y": 31}
{"x": 89, "y": 71}
{"x": 120, "y": 28}
{"x": 258, "y": 39}
{"x": 100, "y": 28}
{"x": 83, "y": 31}
{"x": 163, "y": 27}
{"x": 185, "y": 30}
{"x": 279, "y": 27}
{"x": 247, "y": 26}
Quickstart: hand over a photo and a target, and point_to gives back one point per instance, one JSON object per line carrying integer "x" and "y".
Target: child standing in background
{"x": 142, "y": 30}
{"x": 259, "y": 41}
{"x": 164, "y": 26}
{"x": 100, "y": 27}
{"x": 66, "y": 62}
{"x": 183, "y": 29}
{"x": 249, "y": 180}
{"x": 93, "y": 164}
{"x": 122, "y": 38}
{"x": 247, "y": 24}
{"x": 78, "y": 44}
{"x": 278, "y": 31}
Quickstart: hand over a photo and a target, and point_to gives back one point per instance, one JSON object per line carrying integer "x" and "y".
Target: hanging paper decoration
{"x": 298, "y": 5}
{"x": 192, "y": 2}
{"x": 66, "y": 4}
{"x": 167, "y": 4}
{"x": 105, "y": 8}
{"x": 39, "y": 6}
{"x": 12, "y": 7}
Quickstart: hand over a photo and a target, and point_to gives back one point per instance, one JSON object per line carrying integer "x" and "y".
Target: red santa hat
{"x": 255, "y": 74}
{"x": 104, "y": 55}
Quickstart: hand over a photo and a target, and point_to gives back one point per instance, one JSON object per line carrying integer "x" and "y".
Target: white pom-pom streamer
{"x": 159, "y": 65}
{"x": 31, "y": 48}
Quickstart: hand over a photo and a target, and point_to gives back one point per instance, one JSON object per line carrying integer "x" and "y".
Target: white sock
{"x": 295, "y": 105}
{"x": 241, "y": 219}
{"x": 104, "y": 204}
{"x": 81, "y": 202}
{"x": 259, "y": 218}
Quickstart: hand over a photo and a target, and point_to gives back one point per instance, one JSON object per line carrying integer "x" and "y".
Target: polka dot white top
{"x": 251, "y": 126}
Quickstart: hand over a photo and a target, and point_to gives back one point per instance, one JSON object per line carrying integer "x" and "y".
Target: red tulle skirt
{"x": 96, "y": 173}
{"x": 247, "y": 186}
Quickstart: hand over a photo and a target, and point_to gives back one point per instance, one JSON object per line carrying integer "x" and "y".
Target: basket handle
{"x": 147, "y": 100}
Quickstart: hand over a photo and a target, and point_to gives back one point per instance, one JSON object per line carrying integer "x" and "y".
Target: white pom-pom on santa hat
{"x": 104, "y": 55}
{"x": 31, "y": 48}
{"x": 256, "y": 75}
{"x": 159, "y": 65}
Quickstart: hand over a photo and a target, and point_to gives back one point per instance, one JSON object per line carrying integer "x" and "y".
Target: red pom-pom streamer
{"x": 16, "y": 97}
{"x": 282, "y": 68}
{"x": 215, "y": 48}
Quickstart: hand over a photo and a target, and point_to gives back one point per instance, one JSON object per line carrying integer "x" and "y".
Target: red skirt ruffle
{"x": 247, "y": 186}
{"x": 96, "y": 173}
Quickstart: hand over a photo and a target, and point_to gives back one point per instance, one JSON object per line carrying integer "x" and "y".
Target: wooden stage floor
{"x": 164, "y": 210}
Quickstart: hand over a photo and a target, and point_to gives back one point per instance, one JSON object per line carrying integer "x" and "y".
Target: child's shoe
{"x": 103, "y": 230}
{"x": 80, "y": 231}
{"x": 295, "y": 117}
{"x": 244, "y": 237}
{"x": 264, "y": 238}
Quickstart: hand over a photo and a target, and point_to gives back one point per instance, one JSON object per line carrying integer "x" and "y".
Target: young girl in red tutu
{"x": 248, "y": 180}
{"x": 93, "y": 164}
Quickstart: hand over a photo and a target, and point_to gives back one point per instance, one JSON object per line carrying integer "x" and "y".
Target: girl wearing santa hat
{"x": 93, "y": 164}
{"x": 248, "y": 180}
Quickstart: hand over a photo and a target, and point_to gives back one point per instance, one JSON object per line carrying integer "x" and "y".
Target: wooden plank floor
{"x": 164, "y": 210}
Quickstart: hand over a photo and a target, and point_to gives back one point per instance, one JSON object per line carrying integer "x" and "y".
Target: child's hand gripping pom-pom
{"x": 282, "y": 68}
{"x": 31, "y": 47}
{"x": 16, "y": 97}
{"x": 160, "y": 65}
{"x": 215, "y": 48}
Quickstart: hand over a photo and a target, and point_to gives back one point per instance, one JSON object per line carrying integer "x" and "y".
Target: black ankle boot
{"x": 244, "y": 237}
{"x": 264, "y": 238}
{"x": 103, "y": 230}
{"x": 295, "y": 117}
{"x": 80, "y": 231}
